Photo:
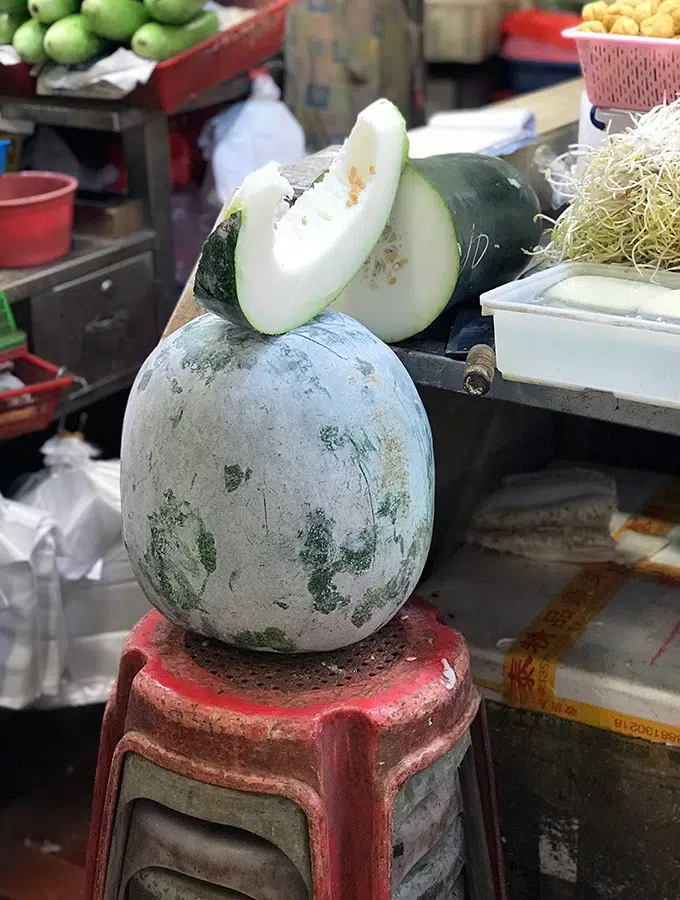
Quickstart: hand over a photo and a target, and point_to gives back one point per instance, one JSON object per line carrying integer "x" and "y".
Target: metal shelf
{"x": 69, "y": 112}
{"x": 106, "y": 115}
{"x": 79, "y": 398}
{"x": 429, "y": 367}
{"x": 87, "y": 255}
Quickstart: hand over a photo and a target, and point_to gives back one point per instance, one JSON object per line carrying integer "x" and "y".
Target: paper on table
{"x": 107, "y": 79}
{"x": 8, "y": 55}
{"x": 118, "y": 74}
{"x": 482, "y": 131}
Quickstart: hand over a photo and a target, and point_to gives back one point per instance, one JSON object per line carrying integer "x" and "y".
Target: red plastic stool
{"x": 347, "y": 769}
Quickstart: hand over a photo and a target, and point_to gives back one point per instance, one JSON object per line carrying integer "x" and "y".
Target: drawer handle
{"x": 101, "y": 325}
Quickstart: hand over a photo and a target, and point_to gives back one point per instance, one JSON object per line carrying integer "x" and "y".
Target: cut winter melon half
{"x": 274, "y": 266}
{"x": 461, "y": 225}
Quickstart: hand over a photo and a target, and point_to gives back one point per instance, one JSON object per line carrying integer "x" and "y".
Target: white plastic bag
{"x": 100, "y": 597}
{"x": 99, "y": 615}
{"x": 48, "y": 152}
{"x": 83, "y": 496}
{"x": 32, "y": 629}
{"x": 251, "y": 134}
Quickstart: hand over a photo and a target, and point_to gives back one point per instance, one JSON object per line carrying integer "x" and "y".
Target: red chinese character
{"x": 521, "y": 673}
{"x": 535, "y": 641}
{"x": 558, "y": 617}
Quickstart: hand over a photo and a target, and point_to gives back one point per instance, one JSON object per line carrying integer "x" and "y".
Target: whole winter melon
{"x": 277, "y": 492}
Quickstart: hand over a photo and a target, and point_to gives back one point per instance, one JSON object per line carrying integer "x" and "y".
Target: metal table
{"x": 93, "y": 265}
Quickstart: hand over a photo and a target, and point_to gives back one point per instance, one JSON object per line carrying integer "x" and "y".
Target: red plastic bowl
{"x": 36, "y": 218}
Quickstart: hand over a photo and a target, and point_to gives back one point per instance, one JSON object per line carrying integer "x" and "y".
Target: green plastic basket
{"x": 11, "y": 337}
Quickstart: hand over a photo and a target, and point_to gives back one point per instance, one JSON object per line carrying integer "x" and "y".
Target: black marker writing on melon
{"x": 461, "y": 225}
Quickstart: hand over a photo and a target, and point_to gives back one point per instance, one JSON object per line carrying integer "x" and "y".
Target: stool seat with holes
{"x": 335, "y": 776}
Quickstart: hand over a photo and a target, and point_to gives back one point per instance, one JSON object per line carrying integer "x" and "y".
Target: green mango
{"x": 28, "y": 41}
{"x": 70, "y": 42}
{"x": 9, "y": 22}
{"x": 115, "y": 20}
{"x": 48, "y": 11}
{"x": 158, "y": 42}
{"x": 13, "y": 6}
{"x": 173, "y": 12}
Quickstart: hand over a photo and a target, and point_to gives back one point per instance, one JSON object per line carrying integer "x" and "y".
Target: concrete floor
{"x": 47, "y": 766}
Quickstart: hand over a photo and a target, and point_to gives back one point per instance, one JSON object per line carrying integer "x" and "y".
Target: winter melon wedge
{"x": 461, "y": 225}
{"x": 274, "y": 266}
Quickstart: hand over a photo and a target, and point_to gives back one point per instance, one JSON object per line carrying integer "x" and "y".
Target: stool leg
{"x": 481, "y": 746}
{"x": 358, "y": 842}
{"x": 113, "y": 727}
{"x": 485, "y": 869}
{"x": 479, "y": 875}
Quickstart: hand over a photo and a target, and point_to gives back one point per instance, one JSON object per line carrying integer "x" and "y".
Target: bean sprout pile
{"x": 626, "y": 202}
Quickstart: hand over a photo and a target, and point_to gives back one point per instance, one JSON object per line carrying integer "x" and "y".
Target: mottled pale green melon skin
{"x": 277, "y": 492}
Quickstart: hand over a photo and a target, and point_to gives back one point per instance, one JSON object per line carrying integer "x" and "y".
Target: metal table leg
{"x": 147, "y": 157}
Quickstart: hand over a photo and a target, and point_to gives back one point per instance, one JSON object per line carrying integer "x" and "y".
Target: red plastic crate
{"x": 32, "y": 407}
{"x": 203, "y": 67}
{"x": 17, "y": 81}
{"x": 223, "y": 56}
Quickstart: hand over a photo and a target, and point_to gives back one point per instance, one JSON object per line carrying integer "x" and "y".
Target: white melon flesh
{"x": 292, "y": 261}
{"x": 417, "y": 248}
{"x": 461, "y": 225}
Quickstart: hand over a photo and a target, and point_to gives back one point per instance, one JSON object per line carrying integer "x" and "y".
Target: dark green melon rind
{"x": 481, "y": 200}
{"x": 215, "y": 280}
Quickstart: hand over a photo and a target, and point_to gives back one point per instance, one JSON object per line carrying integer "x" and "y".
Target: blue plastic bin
{"x": 524, "y": 76}
{"x": 3, "y": 155}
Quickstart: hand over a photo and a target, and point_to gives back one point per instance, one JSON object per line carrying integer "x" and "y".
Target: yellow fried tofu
{"x": 642, "y": 11}
{"x": 625, "y": 25}
{"x": 610, "y": 15}
{"x": 659, "y": 25}
{"x": 593, "y": 12}
{"x": 672, "y": 8}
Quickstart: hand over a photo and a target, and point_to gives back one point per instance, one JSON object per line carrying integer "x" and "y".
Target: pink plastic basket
{"x": 628, "y": 72}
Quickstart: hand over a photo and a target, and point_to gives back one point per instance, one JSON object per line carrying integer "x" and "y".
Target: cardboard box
{"x": 581, "y": 670}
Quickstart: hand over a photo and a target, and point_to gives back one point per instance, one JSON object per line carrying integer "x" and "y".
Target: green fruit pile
{"x": 70, "y": 32}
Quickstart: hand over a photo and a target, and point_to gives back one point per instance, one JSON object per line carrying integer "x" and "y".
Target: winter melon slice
{"x": 461, "y": 225}
{"x": 274, "y": 266}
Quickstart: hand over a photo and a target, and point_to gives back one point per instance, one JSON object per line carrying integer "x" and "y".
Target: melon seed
{"x": 371, "y": 169}
{"x": 304, "y": 220}
{"x": 392, "y": 280}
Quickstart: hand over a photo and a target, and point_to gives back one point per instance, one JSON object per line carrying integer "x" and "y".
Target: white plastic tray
{"x": 634, "y": 359}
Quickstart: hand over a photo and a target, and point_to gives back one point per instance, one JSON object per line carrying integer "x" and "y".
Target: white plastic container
{"x": 462, "y": 31}
{"x": 632, "y": 358}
